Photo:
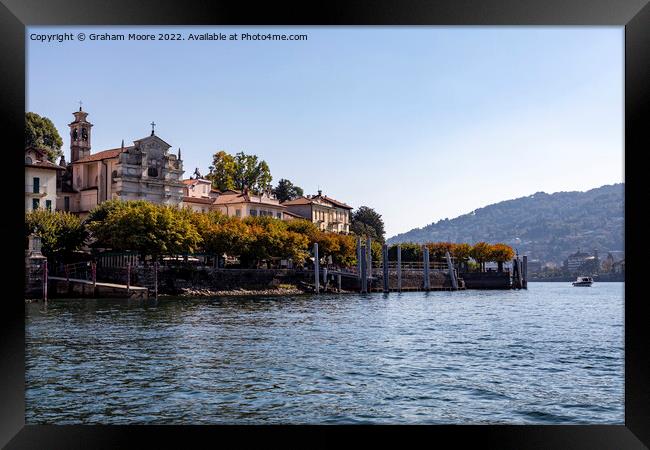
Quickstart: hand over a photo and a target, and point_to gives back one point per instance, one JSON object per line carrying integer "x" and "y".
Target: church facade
{"x": 146, "y": 170}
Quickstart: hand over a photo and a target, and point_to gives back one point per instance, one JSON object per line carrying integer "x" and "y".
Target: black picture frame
{"x": 634, "y": 15}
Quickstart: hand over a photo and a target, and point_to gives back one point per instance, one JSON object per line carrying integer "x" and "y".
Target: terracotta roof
{"x": 289, "y": 213}
{"x": 308, "y": 201}
{"x": 337, "y": 203}
{"x": 224, "y": 199}
{"x": 190, "y": 181}
{"x": 204, "y": 201}
{"x": 45, "y": 165}
{"x": 231, "y": 198}
{"x": 105, "y": 154}
{"x": 298, "y": 201}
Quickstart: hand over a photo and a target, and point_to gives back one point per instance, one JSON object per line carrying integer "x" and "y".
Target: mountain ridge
{"x": 547, "y": 227}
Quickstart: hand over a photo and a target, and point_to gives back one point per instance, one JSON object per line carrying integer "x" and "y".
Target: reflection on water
{"x": 552, "y": 354}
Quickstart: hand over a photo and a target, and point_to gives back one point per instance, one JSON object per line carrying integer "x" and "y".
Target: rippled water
{"x": 552, "y": 354}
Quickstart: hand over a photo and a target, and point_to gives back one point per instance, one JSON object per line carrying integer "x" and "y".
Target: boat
{"x": 583, "y": 281}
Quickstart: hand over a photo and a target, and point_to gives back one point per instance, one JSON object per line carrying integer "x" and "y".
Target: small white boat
{"x": 583, "y": 281}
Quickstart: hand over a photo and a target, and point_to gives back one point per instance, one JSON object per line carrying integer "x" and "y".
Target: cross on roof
{"x": 153, "y": 124}
{"x": 80, "y": 102}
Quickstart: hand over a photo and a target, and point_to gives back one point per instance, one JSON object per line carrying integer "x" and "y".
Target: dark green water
{"x": 551, "y": 355}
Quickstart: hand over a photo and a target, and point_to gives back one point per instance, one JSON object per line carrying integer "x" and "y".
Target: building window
{"x": 114, "y": 174}
{"x": 48, "y": 205}
{"x": 253, "y": 212}
{"x": 28, "y": 160}
{"x": 152, "y": 172}
{"x": 35, "y": 204}
{"x": 37, "y": 185}
{"x": 279, "y": 215}
{"x": 238, "y": 212}
{"x": 66, "y": 203}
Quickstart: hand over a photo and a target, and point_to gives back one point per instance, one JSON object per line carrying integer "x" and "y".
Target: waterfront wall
{"x": 486, "y": 280}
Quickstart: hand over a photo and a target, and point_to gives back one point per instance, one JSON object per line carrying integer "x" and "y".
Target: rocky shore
{"x": 187, "y": 292}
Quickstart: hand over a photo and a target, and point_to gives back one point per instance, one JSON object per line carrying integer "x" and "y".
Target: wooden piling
{"x": 524, "y": 272}
{"x": 359, "y": 256}
{"x": 452, "y": 272}
{"x": 325, "y": 280}
{"x": 316, "y": 268}
{"x": 338, "y": 282}
{"x": 128, "y": 278}
{"x": 155, "y": 280}
{"x": 384, "y": 254}
{"x": 399, "y": 268}
{"x": 364, "y": 271}
{"x": 425, "y": 269}
{"x": 369, "y": 256}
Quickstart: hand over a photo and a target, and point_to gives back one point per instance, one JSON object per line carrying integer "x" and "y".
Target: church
{"x": 146, "y": 170}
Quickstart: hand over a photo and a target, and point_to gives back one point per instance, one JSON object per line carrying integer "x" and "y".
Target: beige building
{"x": 40, "y": 180}
{"x": 145, "y": 170}
{"x": 244, "y": 204}
{"x": 329, "y": 214}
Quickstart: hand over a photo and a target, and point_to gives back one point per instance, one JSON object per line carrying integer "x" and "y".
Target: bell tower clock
{"x": 79, "y": 135}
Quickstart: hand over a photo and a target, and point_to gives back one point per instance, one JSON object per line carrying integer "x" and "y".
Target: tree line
{"x": 159, "y": 230}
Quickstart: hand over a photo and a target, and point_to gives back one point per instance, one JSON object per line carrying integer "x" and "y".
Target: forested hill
{"x": 545, "y": 226}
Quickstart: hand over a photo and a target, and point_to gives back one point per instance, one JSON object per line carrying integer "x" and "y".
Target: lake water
{"x": 553, "y": 354}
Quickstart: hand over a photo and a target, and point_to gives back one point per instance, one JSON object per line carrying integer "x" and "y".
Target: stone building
{"x": 146, "y": 170}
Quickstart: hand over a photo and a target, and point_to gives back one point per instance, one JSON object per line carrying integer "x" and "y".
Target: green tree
{"x": 286, "y": 190}
{"x": 61, "y": 233}
{"x": 239, "y": 171}
{"x": 41, "y": 133}
{"x": 145, "y": 227}
{"x": 366, "y": 222}
{"x": 252, "y": 173}
{"x": 222, "y": 173}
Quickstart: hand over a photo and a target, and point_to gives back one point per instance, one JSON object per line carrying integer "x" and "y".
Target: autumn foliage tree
{"x": 501, "y": 253}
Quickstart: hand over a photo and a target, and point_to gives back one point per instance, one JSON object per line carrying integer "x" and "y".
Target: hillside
{"x": 545, "y": 226}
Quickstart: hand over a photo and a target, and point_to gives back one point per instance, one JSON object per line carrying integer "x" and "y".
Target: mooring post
{"x": 45, "y": 280}
{"x": 369, "y": 258}
{"x": 128, "y": 278}
{"x": 515, "y": 274}
{"x": 364, "y": 273}
{"x": 338, "y": 281}
{"x": 425, "y": 256}
{"x": 384, "y": 256}
{"x": 316, "y": 269}
{"x": 524, "y": 271}
{"x": 399, "y": 268}
{"x": 325, "y": 280}
{"x": 359, "y": 257}
{"x": 452, "y": 272}
{"x": 155, "y": 280}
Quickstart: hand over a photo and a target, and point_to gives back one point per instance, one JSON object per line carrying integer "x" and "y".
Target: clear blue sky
{"x": 420, "y": 123}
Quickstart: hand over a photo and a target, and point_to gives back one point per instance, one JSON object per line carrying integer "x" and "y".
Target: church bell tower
{"x": 79, "y": 135}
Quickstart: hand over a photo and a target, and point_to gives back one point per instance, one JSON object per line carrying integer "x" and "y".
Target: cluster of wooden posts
{"x": 364, "y": 270}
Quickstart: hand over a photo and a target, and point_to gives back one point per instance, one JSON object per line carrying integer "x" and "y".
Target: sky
{"x": 419, "y": 123}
